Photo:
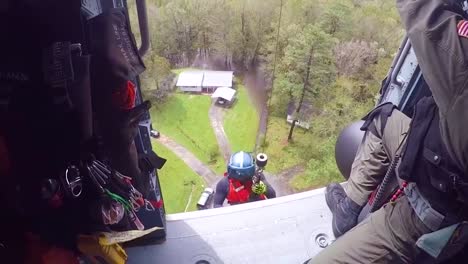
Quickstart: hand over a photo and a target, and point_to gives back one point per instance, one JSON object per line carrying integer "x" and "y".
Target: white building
{"x": 224, "y": 96}
{"x": 204, "y": 81}
{"x": 190, "y": 81}
{"x": 215, "y": 79}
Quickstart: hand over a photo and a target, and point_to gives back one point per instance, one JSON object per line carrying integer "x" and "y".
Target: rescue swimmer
{"x": 243, "y": 182}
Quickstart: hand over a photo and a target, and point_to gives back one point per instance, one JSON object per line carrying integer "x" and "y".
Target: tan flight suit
{"x": 389, "y": 235}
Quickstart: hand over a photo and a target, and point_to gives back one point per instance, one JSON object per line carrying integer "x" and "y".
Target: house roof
{"x": 225, "y": 93}
{"x": 190, "y": 79}
{"x": 205, "y": 79}
{"x": 217, "y": 79}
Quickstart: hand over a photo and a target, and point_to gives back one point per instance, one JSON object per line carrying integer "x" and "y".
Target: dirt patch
{"x": 281, "y": 180}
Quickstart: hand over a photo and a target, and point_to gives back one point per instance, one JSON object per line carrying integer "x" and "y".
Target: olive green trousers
{"x": 389, "y": 235}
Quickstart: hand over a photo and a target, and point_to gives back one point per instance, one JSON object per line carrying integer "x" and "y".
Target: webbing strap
{"x": 151, "y": 161}
{"x": 384, "y": 111}
{"x": 58, "y": 72}
{"x": 431, "y": 218}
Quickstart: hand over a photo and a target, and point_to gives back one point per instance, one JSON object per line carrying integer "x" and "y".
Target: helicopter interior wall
{"x": 420, "y": 90}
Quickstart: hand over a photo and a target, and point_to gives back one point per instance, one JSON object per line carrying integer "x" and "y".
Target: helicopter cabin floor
{"x": 288, "y": 229}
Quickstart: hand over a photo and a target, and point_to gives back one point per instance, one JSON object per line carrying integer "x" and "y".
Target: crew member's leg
{"x": 388, "y": 236}
{"x": 368, "y": 169}
{"x": 374, "y": 155}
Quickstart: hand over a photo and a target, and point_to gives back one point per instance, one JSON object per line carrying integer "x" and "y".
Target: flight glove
{"x": 259, "y": 188}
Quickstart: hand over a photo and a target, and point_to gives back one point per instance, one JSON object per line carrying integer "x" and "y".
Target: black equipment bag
{"x": 115, "y": 65}
{"x": 68, "y": 90}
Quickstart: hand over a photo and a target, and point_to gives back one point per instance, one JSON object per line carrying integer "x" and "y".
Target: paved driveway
{"x": 193, "y": 162}
{"x": 216, "y": 115}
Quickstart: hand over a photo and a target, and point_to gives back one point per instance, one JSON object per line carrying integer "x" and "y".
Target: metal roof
{"x": 190, "y": 79}
{"x": 217, "y": 79}
{"x": 205, "y": 79}
{"x": 225, "y": 93}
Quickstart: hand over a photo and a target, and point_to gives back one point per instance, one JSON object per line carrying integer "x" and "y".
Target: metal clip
{"x": 73, "y": 182}
{"x": 100, "y": 173}
{"x": 75, "y": 48}
{"x": 101, "y": 166}
{"x": 149, "y": 206}
{"x": 94, "y": 179}
{"x": 135, "y": 205}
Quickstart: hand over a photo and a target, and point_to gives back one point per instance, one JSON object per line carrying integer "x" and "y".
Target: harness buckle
{"x": 240, "y": 188}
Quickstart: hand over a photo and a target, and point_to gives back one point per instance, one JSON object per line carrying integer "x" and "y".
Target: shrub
{"x": 214, "y": 154}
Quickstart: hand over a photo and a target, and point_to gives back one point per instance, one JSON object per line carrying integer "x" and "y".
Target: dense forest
{"x": 332, "y": 54}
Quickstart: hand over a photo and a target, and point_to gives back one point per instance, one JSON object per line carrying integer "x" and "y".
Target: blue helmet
{"x": 241, "y": 166}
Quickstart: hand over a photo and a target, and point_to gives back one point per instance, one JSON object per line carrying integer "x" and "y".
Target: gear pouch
{"x": 115, "y": 65}
{"x": 114, "y": 48}
{"x": 444, "y": 243}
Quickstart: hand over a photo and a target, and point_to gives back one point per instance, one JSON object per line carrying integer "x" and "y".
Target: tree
{"x": 157, "y": 80}
{"x": 308, "y": 64}
{"x": 275, "y": 54}
{"x": 224, "y": 34}
{"x": 335, "y": 17}
{"x": 376, "y": 21}
{"x": 360, "y": 35}
{"x": 270, "y": 49}
{"x": 304, "y": 90}
{"x": 354, "y": 57}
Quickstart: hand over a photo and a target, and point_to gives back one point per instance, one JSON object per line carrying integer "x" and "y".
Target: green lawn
{"x": 317, "y": 175}
{"x": 283, "y": 155}
{"x": 316, "y": 154}
{"x": 241, "y": 122}
{"x": 176, "y": 179}
{"x": 184, "y": 118}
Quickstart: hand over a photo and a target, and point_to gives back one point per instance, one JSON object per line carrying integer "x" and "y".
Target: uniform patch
{"x": 463, "y": 28}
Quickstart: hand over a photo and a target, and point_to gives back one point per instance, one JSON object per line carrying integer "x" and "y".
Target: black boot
{"x": 345, "y": 211}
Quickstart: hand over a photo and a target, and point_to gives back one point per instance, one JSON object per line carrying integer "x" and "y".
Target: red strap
{"x": 371, "y": 198}
{"x": 399, "y": 192}
{"x": 157, "y": 204}
{"x": 140, "y": 201}
{"x": 124, "y": 97}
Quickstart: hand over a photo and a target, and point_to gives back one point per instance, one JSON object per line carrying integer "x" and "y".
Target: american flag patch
{"x": 463, "y": 28}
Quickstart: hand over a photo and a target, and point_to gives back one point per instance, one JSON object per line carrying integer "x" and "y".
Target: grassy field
{"x": 318, "y": 174}
{"x": 177, "y": 180}
{"x": 184, "y": 118}
{"x": 241, "y": 122}
{"x": 317, "y": 155}
{"x": 283, "y": 155}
